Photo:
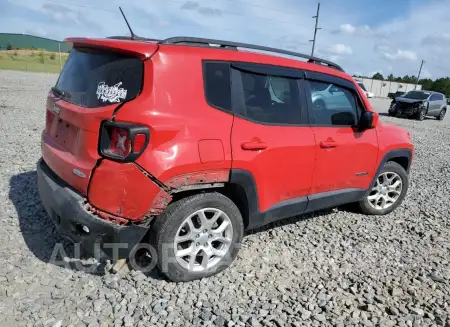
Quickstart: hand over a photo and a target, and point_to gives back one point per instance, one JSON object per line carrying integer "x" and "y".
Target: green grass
{"x": 33, "y": 61}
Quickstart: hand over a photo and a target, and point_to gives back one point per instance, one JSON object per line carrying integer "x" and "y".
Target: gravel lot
{"x": 333, "y": 268}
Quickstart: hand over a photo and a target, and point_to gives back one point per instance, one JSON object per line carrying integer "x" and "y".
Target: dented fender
{"x": 119, "y": 191}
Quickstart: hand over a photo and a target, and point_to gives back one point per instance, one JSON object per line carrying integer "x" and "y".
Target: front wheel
{"x": 387, "y": 192}
{"x": 420, "y": 115}
{"x": 197, "y": 236}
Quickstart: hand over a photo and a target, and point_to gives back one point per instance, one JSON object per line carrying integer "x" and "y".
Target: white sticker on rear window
{"x": 111, "y": 93}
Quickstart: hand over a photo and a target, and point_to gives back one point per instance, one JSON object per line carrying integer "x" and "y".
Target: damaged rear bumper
{"x": 66, "y": 208}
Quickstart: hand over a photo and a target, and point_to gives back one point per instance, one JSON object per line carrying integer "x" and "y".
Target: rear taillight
{"x": 120, "y": 144}
{"x": 123, "y": 142}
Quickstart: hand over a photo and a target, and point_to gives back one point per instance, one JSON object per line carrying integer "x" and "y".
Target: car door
{"x": 440, "y": 103}
{"x": 271, "y": 140}
{"x": 433, "y": 106}
{"x": 345, "y": 157}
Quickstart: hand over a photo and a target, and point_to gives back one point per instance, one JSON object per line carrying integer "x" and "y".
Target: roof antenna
{"x": 133, "y": 36}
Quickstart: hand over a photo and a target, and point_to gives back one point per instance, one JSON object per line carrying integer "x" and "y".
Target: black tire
{"x": 442, "y": 114}
{"x": 164, "y": 230}
{"x": 391, "y": 111}
{"x": 420, "y": 115}
{"x": 389, "y": 166}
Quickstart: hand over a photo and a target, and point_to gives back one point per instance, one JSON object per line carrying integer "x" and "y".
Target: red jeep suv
{"x": 182, "y": 144}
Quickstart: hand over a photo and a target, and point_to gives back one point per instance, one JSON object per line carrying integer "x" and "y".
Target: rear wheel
{"x": 197, "y": 236}
{"x": 442, "y": 114}
{"x": 387, "y": 192}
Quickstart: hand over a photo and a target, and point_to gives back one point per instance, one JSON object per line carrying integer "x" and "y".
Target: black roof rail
{"x": 235, "y": 45}
{"x": 136, "y": 38}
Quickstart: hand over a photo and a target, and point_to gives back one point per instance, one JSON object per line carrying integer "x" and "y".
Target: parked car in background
{"x": 368, "y": 94}
{"x": 393, "y": 95}
{"x": 419, "y": 104}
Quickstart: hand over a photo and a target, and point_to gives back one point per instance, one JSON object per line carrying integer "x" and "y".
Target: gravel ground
{"x": 332, "y": 268}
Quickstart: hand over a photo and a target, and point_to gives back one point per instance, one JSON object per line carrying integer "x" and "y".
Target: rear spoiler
{"x": 143, "y": 50}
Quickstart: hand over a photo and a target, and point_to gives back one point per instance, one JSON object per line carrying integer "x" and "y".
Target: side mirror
{"x": 367, "y": 120}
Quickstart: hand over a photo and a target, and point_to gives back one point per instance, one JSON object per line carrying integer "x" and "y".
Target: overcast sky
{"x": 364, "y": 36}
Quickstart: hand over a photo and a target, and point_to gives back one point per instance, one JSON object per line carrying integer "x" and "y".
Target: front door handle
{"x": 328, "y": 144}
{"x": 253, "y": 146}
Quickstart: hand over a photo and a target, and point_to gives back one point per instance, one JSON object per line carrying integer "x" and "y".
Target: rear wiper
{"x": 60, "y": 93}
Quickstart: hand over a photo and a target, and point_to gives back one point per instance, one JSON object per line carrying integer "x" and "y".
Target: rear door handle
{"x": 253, "y": 146}
{"x": 328, "y": 144}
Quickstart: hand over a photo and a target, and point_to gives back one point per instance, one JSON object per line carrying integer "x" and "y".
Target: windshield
{"x": 416, "y": 95}
{"x": 92, "y": 78}
{"x": 361, "y": 85}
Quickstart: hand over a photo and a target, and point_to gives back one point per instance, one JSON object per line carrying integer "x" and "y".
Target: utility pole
{"x": 315, "y": 30}
{"x": 418, "y": 76}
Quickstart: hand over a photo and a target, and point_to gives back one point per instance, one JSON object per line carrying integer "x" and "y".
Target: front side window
{"x": 333, "y": 105}
{"x": 271, "y": 99}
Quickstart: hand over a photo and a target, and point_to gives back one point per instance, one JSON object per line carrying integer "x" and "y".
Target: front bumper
{"x": 97, "y": 236}
{"x": 406, "y": 108}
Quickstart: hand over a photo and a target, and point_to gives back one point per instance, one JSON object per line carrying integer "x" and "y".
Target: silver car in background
{"x": 419, "y": 104}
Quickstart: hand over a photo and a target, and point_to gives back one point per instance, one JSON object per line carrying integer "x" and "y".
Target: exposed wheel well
{"x": 402, "y": 161}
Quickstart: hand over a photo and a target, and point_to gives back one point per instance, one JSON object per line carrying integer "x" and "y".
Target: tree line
{"x": 441, "y": 85}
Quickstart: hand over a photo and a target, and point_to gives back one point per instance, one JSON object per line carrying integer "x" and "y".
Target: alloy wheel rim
{"x": 203, "y": 239}
{"x": 442, "y": 114}
{"x": 386, "y": 191}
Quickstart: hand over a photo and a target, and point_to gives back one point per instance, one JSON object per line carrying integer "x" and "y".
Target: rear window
{"x": 217, "y": 84}
{"x": 92, "y": 78}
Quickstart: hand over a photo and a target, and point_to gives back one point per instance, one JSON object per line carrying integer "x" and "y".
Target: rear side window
{"x": 271, "y": 99}
{"x": 92, "y": 78}
{"x": 217, "y": 85}
{"x": 333, "y": 105}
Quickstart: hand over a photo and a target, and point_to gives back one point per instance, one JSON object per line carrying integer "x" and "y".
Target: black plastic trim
{"x": 332, "y": 199}
{"x": 291, "y": 207}
{"x": 321, "y": 77}
{"x": 132, "y": 129}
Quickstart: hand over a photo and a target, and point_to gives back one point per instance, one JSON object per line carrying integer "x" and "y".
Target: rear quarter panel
{"x": 181, "y": 122}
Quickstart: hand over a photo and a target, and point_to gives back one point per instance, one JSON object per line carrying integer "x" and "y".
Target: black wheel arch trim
{"x": 392, "y": 154}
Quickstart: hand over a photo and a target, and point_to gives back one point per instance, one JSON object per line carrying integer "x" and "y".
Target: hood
{"x": 406, "y": 100}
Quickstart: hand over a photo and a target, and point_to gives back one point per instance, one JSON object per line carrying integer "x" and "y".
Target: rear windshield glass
{"x": 92, "y": 78}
